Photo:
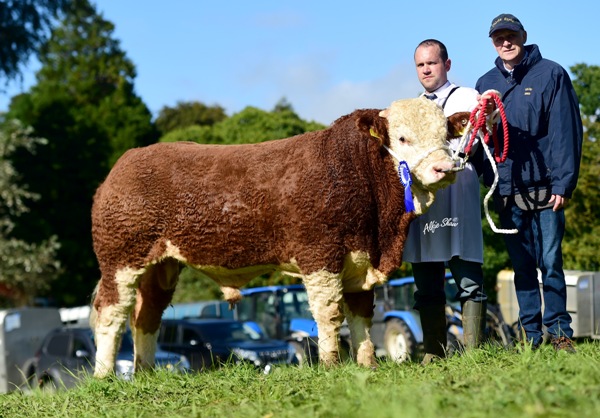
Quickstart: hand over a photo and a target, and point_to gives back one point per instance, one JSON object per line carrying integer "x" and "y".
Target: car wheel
{"x": 399, "y": 341}
{"x": 301, "y": 354}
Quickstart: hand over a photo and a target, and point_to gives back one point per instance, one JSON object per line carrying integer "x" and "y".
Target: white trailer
{"x": 21, "y": 333}
{"x": 583, "y": 300}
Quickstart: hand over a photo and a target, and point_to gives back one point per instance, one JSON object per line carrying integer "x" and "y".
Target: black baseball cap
{"x": 506, "y": 21}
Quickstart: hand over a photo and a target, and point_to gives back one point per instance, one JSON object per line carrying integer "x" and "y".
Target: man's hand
{"x": 490, "y": 106}
{"x": 559, "y": 202}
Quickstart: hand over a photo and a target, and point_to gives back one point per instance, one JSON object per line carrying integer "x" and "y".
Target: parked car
{"x": 22, "y": 330}
{"x": 67, "y": 354}
{"x": 282, "y": 312}
{"x": 201, "y": 309}
{"x": 209, "y": 343}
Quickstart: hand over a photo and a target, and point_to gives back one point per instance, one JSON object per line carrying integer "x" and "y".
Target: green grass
{"x": 488, "y": 382}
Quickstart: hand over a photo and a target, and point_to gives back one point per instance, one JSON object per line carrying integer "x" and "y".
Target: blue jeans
{"x": 538, "y": 245}
{"x": 430, "y": 281}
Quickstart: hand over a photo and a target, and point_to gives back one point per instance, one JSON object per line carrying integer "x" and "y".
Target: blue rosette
{"x": 406, "y": 180}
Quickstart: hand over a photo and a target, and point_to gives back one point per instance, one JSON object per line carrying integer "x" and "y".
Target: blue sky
{"x": 326, "y": 58}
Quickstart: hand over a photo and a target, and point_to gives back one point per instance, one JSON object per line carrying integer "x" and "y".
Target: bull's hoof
{"x": 370, "y": 363}
{"x": 329, "y": 359}
{"x": 102, "y": 374}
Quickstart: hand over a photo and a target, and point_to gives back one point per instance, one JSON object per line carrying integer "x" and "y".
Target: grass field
{"x": 487, "y": 382}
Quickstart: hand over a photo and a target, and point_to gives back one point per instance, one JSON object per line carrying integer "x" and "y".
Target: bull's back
{"x": 237, "y": 199}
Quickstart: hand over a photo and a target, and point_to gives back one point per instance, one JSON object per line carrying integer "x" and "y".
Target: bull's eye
{"x": 463, "y": 122}
{"x": 401, "y": 139}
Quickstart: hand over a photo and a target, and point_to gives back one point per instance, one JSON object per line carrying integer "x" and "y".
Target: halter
{"x": 460, "y": 155}
{"x": 404, "y": 170}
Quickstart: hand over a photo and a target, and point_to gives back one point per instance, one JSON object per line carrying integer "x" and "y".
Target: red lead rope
{"x": 479, "y": 124}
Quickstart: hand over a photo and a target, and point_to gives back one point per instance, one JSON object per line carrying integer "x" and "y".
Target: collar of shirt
{"x": 441, "y": 92}
{"x": 525, "y": 56}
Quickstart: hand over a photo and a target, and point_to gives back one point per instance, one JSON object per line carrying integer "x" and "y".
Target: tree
{"x": 187, "y": 114}
{"x": 25, "y": 268}
{"x": 24, "y": 26}
{"x": 253, "y": 125}
{"x": 84, "y": 104}
{"x": 582, "y": 235}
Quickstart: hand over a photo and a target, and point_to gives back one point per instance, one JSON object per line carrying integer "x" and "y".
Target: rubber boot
{"x": 435, "y": 339}
{"x": 473, "y": 322}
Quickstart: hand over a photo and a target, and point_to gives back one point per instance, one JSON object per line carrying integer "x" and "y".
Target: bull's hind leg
{"x": 154, "y": 295}
{"x": 113, "y": 301}
{"x": 325, "y": 298}
{"x": 359, "y": 314}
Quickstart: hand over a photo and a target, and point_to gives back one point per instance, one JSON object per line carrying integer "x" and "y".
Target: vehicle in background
{"x": 201, "y": 309}
{"x": 283, "y": 312}
{"x": 583, "y": 301}
{"x": 210, "y": 343}
{"x": 21, "y": 333}
{"x": 397, "y": 332}
{"x": 67, "y": 354}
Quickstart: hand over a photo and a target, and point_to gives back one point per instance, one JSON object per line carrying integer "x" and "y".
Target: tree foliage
{"x": 25, "y": 267}
{"x": 582, "y": 235}
{"x": 187, "y": 114}
{"x": 24, "y": 26}
{"x": 84, "y": 104}
{"x": 251, "y": 125}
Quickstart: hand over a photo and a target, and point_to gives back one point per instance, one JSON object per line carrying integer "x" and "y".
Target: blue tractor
{"x": 397, "y": 332}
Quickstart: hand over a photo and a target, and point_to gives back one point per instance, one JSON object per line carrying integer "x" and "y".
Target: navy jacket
{"x": 544, "y": 123}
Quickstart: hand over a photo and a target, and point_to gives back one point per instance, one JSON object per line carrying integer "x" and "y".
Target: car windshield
{"x": 228, "y": 332}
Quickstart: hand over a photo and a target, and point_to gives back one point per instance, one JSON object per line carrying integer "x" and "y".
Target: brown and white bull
{"x": 326, "y": 206}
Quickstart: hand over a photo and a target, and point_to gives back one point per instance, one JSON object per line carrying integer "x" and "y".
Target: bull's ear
{"x": 374, "y": 126}
{"x": 457, "y": 123}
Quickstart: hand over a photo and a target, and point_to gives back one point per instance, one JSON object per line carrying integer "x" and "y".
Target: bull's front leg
{"x": 359, "y": 309}
{"x": 325, "y": 297}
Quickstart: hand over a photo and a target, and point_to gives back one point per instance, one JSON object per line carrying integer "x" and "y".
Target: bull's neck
{"x": 422, "y": 199}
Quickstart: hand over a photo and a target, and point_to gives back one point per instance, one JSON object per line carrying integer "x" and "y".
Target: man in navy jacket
{"x": 538, "y": 176}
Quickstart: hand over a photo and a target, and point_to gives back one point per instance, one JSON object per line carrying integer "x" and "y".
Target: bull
{"x": 326, "y": 206}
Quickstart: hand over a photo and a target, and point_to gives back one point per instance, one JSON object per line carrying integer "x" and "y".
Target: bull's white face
{"x": 418, "y": 129}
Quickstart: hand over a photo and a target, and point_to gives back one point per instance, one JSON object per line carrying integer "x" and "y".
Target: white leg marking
{"x": 325, "y": 297}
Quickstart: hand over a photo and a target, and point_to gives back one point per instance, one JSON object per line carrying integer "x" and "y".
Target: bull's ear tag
{"x": 406, "y": 180}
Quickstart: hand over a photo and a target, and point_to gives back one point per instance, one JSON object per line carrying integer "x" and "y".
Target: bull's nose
{"x": 444, "y": 167}
{"x": 457, "y": 166}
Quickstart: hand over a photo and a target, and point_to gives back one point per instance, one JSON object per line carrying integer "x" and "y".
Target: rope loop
{"x": 479, "y": 122}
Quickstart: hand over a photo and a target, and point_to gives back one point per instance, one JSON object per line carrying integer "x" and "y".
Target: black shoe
{"x": 563, "y": 344}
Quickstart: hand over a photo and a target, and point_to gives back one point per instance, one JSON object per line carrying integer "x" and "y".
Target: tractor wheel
{"x": 399, "y": 341}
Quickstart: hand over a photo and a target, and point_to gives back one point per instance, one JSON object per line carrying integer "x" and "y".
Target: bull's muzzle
{"x": 459, "y": 164}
